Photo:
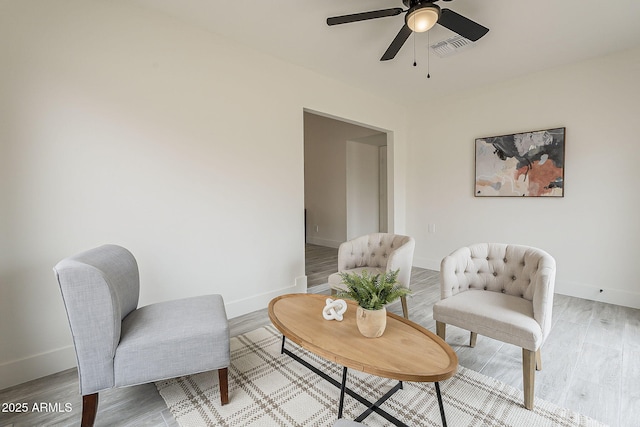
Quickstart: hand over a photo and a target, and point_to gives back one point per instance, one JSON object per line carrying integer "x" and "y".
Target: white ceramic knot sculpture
{"x": 334, "y": 309}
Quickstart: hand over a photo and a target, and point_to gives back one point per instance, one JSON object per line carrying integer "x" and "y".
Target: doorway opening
{"x": 347, "y": 188}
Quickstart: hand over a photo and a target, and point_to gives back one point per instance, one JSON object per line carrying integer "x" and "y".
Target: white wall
{"x": 363, "y": 190}
{"x": 120, "y": 125}
{"x": 593, "y": 232}
{"x": 380, "y": 141}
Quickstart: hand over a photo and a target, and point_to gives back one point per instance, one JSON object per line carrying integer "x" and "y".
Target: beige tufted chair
{"x": 376, "y": 253}
{"x": 501, "y": 291}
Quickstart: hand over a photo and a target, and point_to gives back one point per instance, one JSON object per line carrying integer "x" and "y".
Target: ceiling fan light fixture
{"x": 422, "y": 17}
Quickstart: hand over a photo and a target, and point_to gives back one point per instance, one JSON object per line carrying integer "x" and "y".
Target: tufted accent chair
{"x": 376, "y": 253}
{"x": 501, "y": 291}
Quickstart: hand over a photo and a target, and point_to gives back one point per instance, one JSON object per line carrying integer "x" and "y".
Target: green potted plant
{"x": 372, "y": 292}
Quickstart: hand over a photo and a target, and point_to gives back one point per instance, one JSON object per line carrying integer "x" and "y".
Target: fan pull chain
{"x": 414, "y": 49}
{"x": 428, "y": 54}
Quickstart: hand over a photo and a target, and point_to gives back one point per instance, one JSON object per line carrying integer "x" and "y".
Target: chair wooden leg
{"x": 473, "y": 339}
{"x": 223, "y": 378}
{"x": 441, "y": 329}
{"x": 89, "y": 409}
{"x": 528, "y": 376}
{"x": 405, "y": 308}
{"x": 538, "y": 360}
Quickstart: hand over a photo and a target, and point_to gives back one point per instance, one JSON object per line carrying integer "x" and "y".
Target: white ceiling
{"x": 524, "y": 37}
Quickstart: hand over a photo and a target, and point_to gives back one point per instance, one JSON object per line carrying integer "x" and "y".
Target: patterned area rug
{"x": 270, "y": 389}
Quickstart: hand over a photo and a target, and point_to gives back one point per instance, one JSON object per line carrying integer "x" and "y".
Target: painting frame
{"x": 524, "y": 164}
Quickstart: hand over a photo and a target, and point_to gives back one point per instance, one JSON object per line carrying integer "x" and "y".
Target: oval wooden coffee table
{"x": 405, "y": 352}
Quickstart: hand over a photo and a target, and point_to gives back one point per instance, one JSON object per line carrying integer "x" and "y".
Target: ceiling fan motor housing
{"x": 412, "y": 3}
{"x": 422, "y": 15}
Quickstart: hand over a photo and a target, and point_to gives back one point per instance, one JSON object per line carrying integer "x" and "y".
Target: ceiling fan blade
{"x": 459, "y": 24}
{"x": 397, "y": 43}
{"x": 345, "y": 19}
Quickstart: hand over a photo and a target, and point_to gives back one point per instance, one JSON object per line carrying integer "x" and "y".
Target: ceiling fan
{"x": 420, "y": 17}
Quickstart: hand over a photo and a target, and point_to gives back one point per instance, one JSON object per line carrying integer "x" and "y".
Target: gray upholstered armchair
{"x": 118, "y": 344}
{"x": 501, "y": 291}
{"x": 376, "y": 253}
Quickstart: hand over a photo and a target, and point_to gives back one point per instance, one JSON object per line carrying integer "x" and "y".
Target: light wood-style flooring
{"x": 319, "y": 263}
{"x": 591, "y": 361}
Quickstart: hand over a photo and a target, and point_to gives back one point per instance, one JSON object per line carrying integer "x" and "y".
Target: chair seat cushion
{"x": 171, "y": 339}
{"x": 335, "y": 281}
{"x": 503, "y": 317}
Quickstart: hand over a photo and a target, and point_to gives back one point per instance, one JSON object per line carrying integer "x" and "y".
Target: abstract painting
{"x": 528, "y": 164}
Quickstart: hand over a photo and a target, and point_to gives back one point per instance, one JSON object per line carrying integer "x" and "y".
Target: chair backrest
{"x": 100, "y": 287}
{"x": 379, "y": 250}
{"x": 518, "y": 270}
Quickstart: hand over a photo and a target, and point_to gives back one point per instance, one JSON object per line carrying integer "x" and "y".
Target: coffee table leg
{"x": 444, "y": 420}
{"x": 342, "y": 389}
{"x": 375, "y": 407}
{"x": 372, "y": 407}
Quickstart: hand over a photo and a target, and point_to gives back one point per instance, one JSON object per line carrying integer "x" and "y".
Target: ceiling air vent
{"x": 451, "y": 46}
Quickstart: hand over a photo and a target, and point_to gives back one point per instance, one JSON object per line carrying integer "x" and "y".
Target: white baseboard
{"x": 572, "y": 289}
{"x": 40, "y": 365}
{"x": 258, "y": 302}
{"x": 43, "y": 364}
{"x": 594, "y": 293}
{"x": 323, "y": 242}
